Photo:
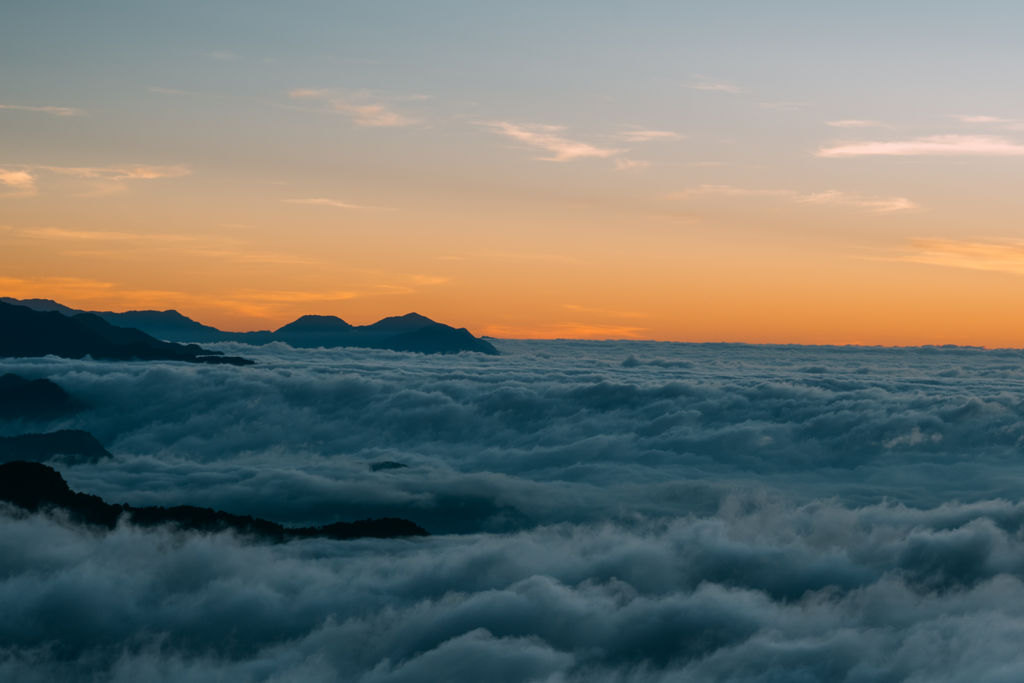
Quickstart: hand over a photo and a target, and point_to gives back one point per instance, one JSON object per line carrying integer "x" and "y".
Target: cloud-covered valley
{"x": 601, "y": 510}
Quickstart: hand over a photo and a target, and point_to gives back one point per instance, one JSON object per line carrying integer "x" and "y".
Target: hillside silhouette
{"x": 33, "y": 398}
{"x": 36, "y": 487}
{"x": 25, "y": 332}
{"x": 71, "y": 446}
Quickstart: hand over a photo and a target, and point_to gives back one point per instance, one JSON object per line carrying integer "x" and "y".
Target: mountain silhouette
{"x": 33, "y": 398}
{"x": 410, "y": 332}
{"x": 314, "y": 324}
{"x": 71, "y": 446}
{"x": 28, "y": 333}
{"x": 36, "y": 487}
{"x": 400, "y": 323}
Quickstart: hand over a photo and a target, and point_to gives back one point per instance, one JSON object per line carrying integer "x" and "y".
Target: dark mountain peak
{"x": 317, "y": 324}
{"x": 438, "y": 338}
{"x": 31, "y": 484}
{"x": 401, "y": 323}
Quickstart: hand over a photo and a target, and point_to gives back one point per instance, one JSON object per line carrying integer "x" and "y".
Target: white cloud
{"x": 934, "y": 145}
{"x": 55, "y": 111}
{"x": 549, "y": 138}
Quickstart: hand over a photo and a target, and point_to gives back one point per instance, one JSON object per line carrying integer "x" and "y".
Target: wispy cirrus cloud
{"x": 1002, "y": 257}
{"x": 630, "y": 164}
{"x": 650, "y": 136}
{"x": 118, "y": 173}
{"x": 334, "y": 203}
{"x": 856, "y": 123}
{"x": 101, "y": 180}
{"x": 54, "y": 111}
{"x": 933, "y": 145}
{"x": 825, "y": 198}
{"x": 64, "y": 234}
{"x": 980, "y": 118}
{"x": 550, "y": 139}
{"x": 17, "y": 183}
{"x": 362, "y": 108}
{"x": 713, "y": 85}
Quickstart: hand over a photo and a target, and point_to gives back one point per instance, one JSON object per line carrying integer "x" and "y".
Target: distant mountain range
{"x": 410, "y": 332}
{"x": 25, "y": 332}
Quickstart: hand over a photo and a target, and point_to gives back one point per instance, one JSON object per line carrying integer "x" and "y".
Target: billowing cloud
{"x": 602, "y": 511}
{"x": 55, "y": 111}
{"x": 933, "y": 145}
{"x": 827, "y": 197}
{"x": 550, "y": 139}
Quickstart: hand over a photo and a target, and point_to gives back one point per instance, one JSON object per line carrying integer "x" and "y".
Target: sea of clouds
{"x": 601, "y": 511}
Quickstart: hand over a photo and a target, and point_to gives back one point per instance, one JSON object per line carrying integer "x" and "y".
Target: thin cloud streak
{"x": 826, "y": 198}
{"x": 370, "y": 114}
{"x": 54, "y": 111}
{"x": 1005, "y": 257}
{"x": 549, "y": 138}
{"x": 630, "y": 164}
{"x": 933, "y": 145}
{"x": 650, "y": 135}
{"x": 856, "y": 123}
{"x": 980, "y": 118}
{"x": 335, "y": 203}
{"x": 712, "y": 85}
{"x": 133, "y": 172}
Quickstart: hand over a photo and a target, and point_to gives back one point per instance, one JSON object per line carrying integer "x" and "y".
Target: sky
{"x": 790, "y": 172}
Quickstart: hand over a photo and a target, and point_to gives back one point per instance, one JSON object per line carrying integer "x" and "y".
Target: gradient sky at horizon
{"x": 744, "y": 171}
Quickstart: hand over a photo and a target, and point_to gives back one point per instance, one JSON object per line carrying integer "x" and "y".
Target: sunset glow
{"x": 691, "y": 172}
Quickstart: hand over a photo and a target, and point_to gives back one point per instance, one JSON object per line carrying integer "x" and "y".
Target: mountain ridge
{"x": 411, "y": 332}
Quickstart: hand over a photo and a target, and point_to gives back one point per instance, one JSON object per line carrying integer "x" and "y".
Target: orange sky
{"x": 630, "y": 184}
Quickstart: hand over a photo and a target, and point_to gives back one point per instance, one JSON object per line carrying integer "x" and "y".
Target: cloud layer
{"x": 603, "y": 510}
